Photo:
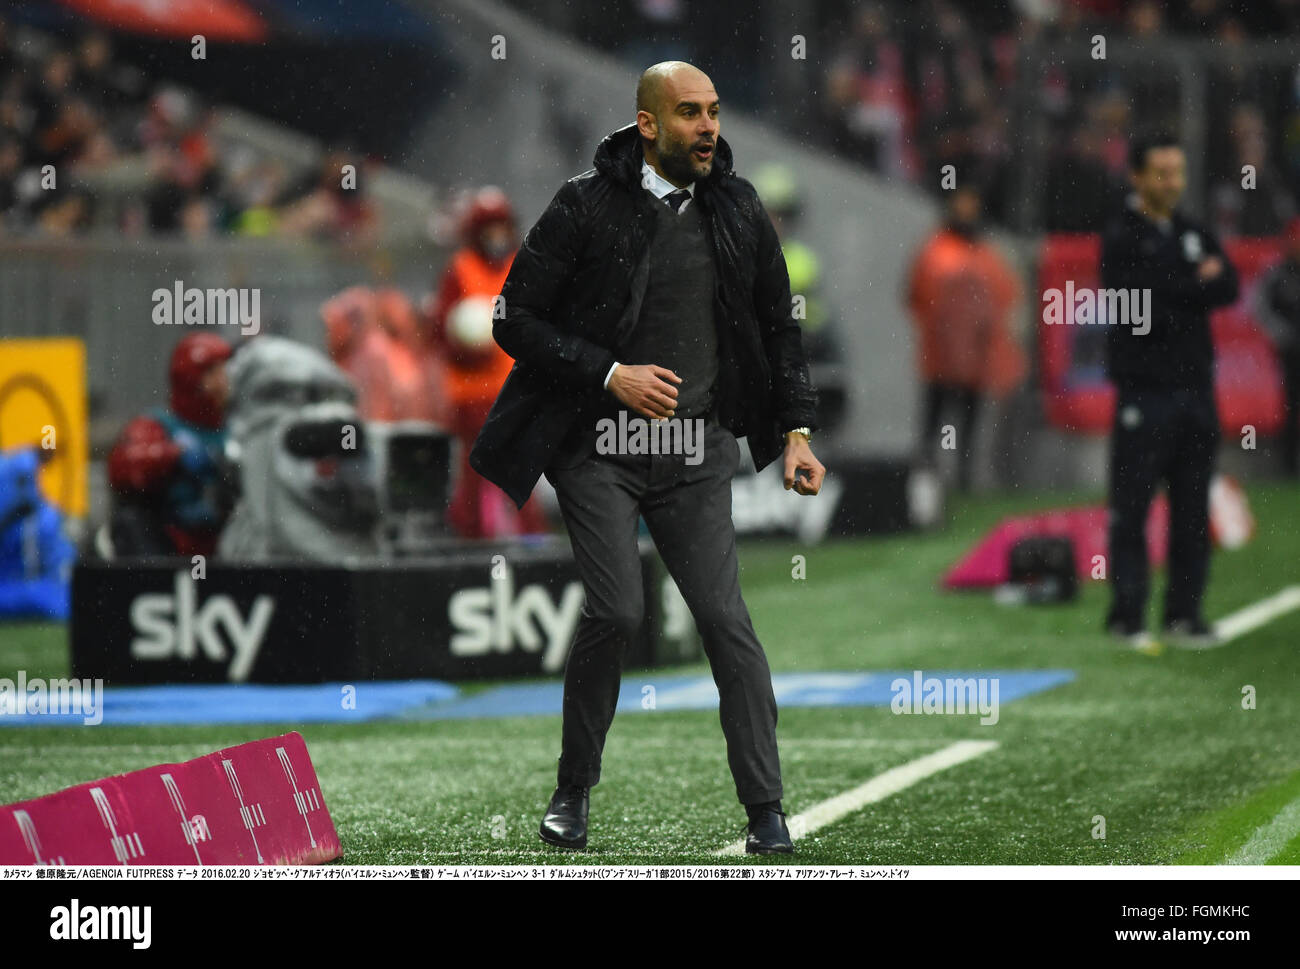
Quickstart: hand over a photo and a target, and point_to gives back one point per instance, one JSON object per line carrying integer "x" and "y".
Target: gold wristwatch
{"x": 805, "y": 431}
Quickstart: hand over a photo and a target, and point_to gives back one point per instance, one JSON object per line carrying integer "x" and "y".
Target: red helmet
{"x": 193, "y": 357}
{"x": 488, "y": 205}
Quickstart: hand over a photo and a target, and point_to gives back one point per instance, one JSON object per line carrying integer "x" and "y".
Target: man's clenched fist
{"x": 646, "y": 389}
{"x": 799, "y": 457}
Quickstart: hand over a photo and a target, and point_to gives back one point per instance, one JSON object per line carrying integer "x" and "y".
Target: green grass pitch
{"x": 1160, "y": 746}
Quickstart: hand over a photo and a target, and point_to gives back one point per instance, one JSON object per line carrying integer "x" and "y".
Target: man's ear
{"x": 647, "y": 124}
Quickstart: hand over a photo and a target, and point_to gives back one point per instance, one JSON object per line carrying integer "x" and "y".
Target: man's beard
{"x": 675, "y": 159}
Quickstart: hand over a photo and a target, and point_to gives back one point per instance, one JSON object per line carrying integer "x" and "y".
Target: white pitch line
{"x": 877, "y": 789}
{"x": 1270, "y": 838}
{"x": 1237, "y": 624}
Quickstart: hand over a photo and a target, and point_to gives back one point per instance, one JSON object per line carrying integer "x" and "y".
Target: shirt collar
{"x": 658, "y": 185}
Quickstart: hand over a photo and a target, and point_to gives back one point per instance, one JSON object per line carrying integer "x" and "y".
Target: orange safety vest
{"x": 473, "y": 380}
{"x": 961, "y": 294}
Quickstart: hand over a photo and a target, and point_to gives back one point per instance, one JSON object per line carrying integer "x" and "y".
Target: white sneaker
{"x": 1136, "y": 638}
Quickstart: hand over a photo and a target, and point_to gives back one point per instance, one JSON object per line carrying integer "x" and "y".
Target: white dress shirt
{"x": 661, "y": 187}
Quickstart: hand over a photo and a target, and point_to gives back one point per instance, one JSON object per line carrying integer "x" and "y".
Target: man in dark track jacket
{"x": 654, "y": 287}
{"x": 1166, "y": 422}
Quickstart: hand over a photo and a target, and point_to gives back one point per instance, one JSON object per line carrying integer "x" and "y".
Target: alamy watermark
{"x": 208, "y": 307}
{"x": 637, "y": 435}
{"x": 75, "y": 922}
{"x": 1106, "y": 307}
{"x": 40, "y": 697}
{"x": 949, "y": 694}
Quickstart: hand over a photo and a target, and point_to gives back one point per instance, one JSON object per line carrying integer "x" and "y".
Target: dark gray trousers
{"x": 687, "y": 509}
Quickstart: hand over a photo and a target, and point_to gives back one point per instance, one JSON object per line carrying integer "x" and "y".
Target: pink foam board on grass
{"x": 987, "y": 564}
{"x": 259, "y": 803}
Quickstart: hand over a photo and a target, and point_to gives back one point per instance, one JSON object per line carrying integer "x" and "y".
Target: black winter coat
{"x": 574, "y": 292}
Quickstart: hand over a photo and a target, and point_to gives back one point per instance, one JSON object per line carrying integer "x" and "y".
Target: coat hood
{"x": 619, "y": 156}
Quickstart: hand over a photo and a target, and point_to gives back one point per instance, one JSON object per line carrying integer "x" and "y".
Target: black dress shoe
{"x": 565, "y": 822}
{"x": 768, "y": 834}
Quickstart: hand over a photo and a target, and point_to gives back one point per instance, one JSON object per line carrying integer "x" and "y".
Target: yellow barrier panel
{"x": 43, "y": 404}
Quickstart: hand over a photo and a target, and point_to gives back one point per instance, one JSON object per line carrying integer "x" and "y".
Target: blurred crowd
{"x": 88, "y": 141}
{"x": 904, "y": 87}
{"x": 915, "y": 87}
